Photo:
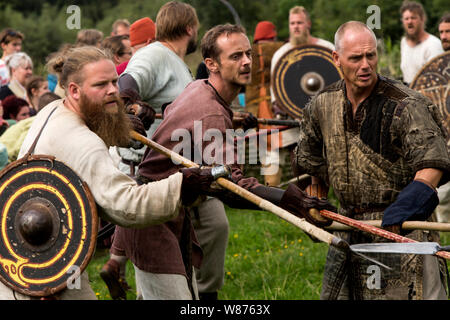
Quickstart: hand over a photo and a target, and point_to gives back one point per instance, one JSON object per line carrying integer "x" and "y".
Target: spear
{"x": 372, "y": 229}
{"x": 407, "y": 225}
{"x": 301, "y": 223}
{"x": 274, "y": 122}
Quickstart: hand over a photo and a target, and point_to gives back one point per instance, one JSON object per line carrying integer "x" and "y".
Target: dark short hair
{"x": 115, "y": 45}
{"x": 445, "y": 18}
{"x": 209, "y": 46}
{"x": 46, "y": 98}
{"x": 415, "y": 7}
{"x": 89, "y": 37}
{"x": 34, "y": 83}
{"x": 12, "y": 105}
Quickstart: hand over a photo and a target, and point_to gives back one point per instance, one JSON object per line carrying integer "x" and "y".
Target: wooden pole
{"x": 374, "y": 230}
{"x": 301, "y": 223}
{"x": 274, "y": 122}
{"x": 407, "y": 225}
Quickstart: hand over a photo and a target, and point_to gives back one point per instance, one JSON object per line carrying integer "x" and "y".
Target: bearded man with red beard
{"x": 417, "y": 47}
{"x": 79, "y": 129}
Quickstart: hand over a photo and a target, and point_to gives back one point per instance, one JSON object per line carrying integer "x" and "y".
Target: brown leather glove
{"x": 136, "y": 106}
{"x": 249, "y": 122}
{"x": 196, "y": 181}
{"x": 136, "y": 125}
{"x": 299, "y": 203}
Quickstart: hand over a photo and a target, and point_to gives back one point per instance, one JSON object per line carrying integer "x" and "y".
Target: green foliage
{"x": 266, "y": 259}
{"x": 44, "y": 21}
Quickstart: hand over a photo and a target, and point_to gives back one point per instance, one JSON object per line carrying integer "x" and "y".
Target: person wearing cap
{"x": 142, "y": 33}
{"x": 257, "y": 93}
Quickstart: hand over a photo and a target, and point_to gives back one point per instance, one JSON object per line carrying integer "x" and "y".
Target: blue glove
{"x": 416, "y": 202}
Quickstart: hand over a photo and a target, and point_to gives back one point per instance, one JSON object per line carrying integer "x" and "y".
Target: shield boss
{"x": 48, "y": 225}
{"x": 301, "y": 73}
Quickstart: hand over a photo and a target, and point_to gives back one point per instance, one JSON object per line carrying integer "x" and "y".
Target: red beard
{"x": 112, "y": 128}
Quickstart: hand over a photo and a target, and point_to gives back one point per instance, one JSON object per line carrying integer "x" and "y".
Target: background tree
{"x": 44, "y": 21}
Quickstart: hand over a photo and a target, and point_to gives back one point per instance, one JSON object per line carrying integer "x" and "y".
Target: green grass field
{"x": 267, "y": 259}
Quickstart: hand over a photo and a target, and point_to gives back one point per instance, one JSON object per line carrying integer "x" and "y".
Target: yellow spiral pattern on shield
{"x": 15, "y": 268}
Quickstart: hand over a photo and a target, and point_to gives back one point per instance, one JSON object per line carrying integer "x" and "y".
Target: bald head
{"x": 351, "y": 27}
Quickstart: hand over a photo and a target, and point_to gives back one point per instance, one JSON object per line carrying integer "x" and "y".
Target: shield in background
{"x": 48, "y": 225}
{"x": 301, "y": 73}
{"x": 433, "y": 81}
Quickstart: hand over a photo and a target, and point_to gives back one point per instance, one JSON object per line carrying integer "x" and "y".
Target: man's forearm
{"x": 430, "y": 176}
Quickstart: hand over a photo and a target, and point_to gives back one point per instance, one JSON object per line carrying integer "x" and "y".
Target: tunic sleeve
{"x": 422, "y": 137}
{"x": 309, "y": 153}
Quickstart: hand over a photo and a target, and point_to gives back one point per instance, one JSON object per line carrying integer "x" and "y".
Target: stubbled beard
{"x": 112, "y": 128}
{"x": 414, "y": 36}
{"x": 299, "y": 40}
{"x": 446, "y": 45}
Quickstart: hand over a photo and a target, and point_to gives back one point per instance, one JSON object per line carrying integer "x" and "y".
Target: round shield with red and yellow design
{"x": 48, "y": 226}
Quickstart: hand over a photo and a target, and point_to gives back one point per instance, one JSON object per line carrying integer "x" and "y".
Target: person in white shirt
{"x": 417, "y": 46}
{"x": 299, "y": 33}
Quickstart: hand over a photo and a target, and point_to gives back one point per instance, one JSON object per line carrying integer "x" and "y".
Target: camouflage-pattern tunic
{"x": 367, "y": 160}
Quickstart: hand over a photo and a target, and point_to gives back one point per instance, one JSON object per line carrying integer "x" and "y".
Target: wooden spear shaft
{"x": 274, "y": 122}
{"x": 319, "y": 233}
{"x": 373, "y": 230}
{"x": 407, "y": 225}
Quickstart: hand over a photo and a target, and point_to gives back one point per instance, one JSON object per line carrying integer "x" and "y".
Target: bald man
{"x": 381, "y": 148}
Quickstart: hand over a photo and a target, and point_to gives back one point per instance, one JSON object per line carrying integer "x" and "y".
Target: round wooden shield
{"x": 433, "y": 81}
{"x": 48, "y": 226}
{"x": 301, "y": 73}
